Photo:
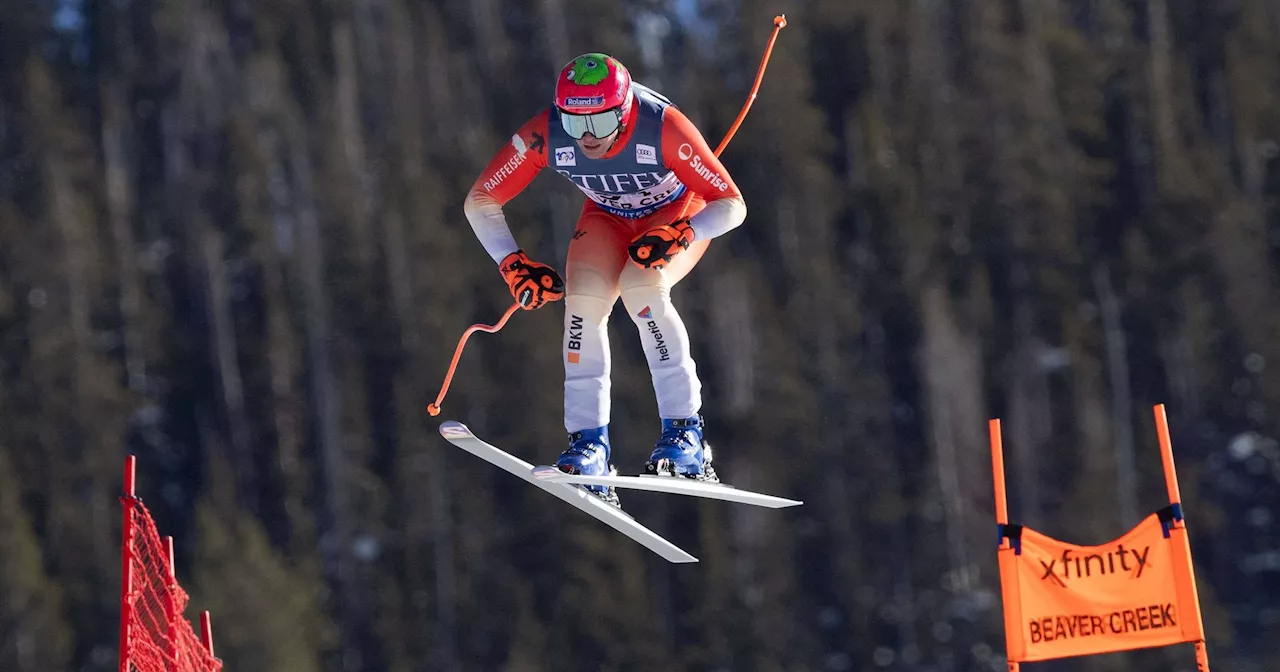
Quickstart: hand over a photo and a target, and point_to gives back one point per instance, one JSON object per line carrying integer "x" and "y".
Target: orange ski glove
{"x": 655, "y": 248}
{"x": 532, "y": 284}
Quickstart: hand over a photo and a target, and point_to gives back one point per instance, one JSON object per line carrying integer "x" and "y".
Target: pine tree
{"x": 34, "y": 632}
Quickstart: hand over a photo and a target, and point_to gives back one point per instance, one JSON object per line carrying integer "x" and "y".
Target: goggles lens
{"x": 600, "y": 124}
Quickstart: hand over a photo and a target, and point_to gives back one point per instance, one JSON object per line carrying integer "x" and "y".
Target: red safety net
{"x": 154, "y": 635}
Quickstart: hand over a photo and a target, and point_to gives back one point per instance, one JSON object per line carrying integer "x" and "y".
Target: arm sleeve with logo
{"x": 507, "y": 174}
{"x": 686, "y": 152}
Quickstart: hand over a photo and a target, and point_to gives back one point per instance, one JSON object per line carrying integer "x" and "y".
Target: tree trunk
{"x": 428, "y": 544}
{"x": 1168, "y": 160}
{"x": 274, "y": 248}
{"x": 952, "y": 367}
{"x": 326, "y": 395}
{"x": 1121, "y": 400}
{"x": 116, "y": 135}
{"x": 556, "y": 30}
{"x": 351, "y": 139}
{"x": 491, "y": 41}
{"x": 226, "y": 363}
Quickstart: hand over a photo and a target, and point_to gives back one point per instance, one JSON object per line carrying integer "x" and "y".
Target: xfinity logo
{"x": 646, "y": 154}
{"x": 565, "y": 156}
{"x": 1088, "y": 565}
{"x": 662, "y": 344}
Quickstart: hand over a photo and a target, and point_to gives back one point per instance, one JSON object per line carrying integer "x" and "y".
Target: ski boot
{"x": 682, "y": 452}
{"x": 588, "y": 453}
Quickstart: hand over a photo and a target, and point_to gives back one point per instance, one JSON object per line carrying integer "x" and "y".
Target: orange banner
{"x": 1080, "y": 600}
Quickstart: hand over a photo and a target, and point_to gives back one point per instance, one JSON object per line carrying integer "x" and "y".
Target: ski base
{"x": 461, "y": 436}
{"x": 670, "y": 484}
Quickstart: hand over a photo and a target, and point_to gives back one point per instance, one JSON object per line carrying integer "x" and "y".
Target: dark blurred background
{"x": 232, "y": 243}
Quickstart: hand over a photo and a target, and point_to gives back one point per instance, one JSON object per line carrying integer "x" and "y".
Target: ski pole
{"x": 434, "y": 409}
{"x": 779, "y": 22}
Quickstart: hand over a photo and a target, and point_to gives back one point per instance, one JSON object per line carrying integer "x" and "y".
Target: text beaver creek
{"x": 1054, "y": 628}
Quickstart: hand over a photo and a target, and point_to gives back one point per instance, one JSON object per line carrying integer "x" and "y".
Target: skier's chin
{"x": 595, "y": 149}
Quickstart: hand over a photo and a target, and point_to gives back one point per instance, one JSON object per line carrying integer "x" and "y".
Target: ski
{"x": 676, "y": 485}
{"x": 461, "y": 436}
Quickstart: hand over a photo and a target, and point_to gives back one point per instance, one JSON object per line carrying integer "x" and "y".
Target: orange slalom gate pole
{"x": 1175, "y": 498}
{"x": 997, "y": 468}
{"x": 779, "y": 22}
{"x": 1166, "y": 455}
{"x": 1007, "y": 577}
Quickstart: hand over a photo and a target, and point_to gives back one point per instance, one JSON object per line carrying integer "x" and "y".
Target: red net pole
{"x": 171, "y": 614}
{"x": 126, "y": 576}
{"x": 206, "y": 632}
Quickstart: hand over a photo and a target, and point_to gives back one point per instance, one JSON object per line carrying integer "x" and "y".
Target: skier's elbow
{"x": 470, "y": 205}
{"x": 737, "y": 211}
{"x": 719, "y": 217}
{"x": 478, "y": 205}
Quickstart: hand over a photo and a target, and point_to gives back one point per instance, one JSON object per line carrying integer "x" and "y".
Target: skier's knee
{"x": 581, "y": 308}
{"x": 586, "y": 281}
{"x": 646, "y": 302}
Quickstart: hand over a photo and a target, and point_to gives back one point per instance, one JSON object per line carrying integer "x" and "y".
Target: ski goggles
{"x": 600, "y": 124}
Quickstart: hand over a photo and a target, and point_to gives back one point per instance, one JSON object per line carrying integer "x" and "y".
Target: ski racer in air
{"x": 656, "y": 195}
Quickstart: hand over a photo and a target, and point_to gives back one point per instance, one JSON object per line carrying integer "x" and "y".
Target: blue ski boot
{"x": 682, "y": 452}
{"x": 588, "y": 453}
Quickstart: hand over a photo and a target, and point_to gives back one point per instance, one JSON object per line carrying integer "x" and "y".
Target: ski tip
{"x": 453, "y": 428}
